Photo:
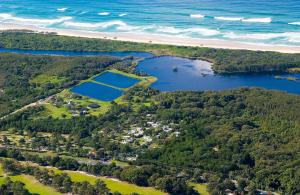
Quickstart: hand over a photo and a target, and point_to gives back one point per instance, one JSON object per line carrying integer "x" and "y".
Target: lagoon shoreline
{"x": 157, "y": 39}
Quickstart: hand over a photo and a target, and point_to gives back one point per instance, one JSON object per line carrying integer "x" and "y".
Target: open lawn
{"x": 113, "y": 184}
{"x": 33, "y": 186}
{"x": 57, "y": 112}
{"x": 43, "y": 79}
{"x": 120, "y": 163}
{"x": 201, "y": 188}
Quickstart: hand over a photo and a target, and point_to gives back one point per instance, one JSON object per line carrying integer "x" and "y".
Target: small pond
{"x": 116, "y": 80}
{"x": 97, "y": 91}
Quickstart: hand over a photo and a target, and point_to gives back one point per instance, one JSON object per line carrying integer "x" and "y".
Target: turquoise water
{"x": 116, "y": 80}
{"x": 255, "y": 21}
{"x": 97, "y": 91}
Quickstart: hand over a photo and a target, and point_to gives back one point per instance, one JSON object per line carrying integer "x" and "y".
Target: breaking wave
{"x": 197, "y": 16}
{"x": 63, "y": 9}
{"x": 103, "y": 13}
{"x": 286, "y": 36}
{"x": 258, "y": 20}
{"x": 123, "y": 14}
{"x": 254, "y": 20}
{"x": 6, "y": 17}
{"x": 228, "y": 18}
{"x": 294, "y": 23}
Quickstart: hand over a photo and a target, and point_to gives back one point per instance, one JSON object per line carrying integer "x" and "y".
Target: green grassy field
{"x": 113, "y": 184}
{"x": 201, "y": 188}
{"x": 1, "y": 175}
{"x": 33, "y": 186}
{"x": 120, "y": 163}
{"x": 43, "y": 79}
{"x": 57, "y": 112}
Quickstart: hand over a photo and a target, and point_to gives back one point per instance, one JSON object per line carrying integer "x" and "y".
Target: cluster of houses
{"x": 75, "y": 108}
{"x": 142, "y": 135}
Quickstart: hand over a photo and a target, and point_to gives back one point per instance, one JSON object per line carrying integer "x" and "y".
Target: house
{"x": 127, "y": 139}
{"x": 147, "y": 139}
{"x": 137, "y": 132}
{"x": 166, "y": 128}
{"x": 176, "y": 133}
{"x": 153, "y": 124}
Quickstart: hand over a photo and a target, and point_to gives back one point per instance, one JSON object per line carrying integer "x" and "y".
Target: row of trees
{"x": 61, "y": 182}
{"x": 140, "y": 175}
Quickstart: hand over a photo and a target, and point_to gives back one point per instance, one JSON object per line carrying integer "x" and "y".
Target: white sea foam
{"x": 293, "y": 37}
{"x": 169, "y": 29}
{"x": 253, "y": 36}
{"x": 128, "y": 28}
{"x": 63, "y": 9}
{"x": 258, "y": 20}
{"x": 119, "y": 25}
{"x": 81, "y": 24}
{"x": 203, "y": 31}
{"x": 123, "y": 14}
{"x": 294, "y": 23}
{"x": 254, "y": 20}
{"x": 200, "y": 31}
{"x": 103, "y": 13}
{"x": 197, "y": 16}
{"x": 6, "y": 17}
{"x": 228, "y": 18}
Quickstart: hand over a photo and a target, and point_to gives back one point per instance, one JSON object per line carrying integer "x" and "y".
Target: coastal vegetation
{"x": 146, "y": 141}
{"x": 28, "y": 78}
{"x": 239, "y": 140}
{"x": 224, "y": 60}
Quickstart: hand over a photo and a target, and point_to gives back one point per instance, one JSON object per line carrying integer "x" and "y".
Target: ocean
{"x": 273, "y": 22}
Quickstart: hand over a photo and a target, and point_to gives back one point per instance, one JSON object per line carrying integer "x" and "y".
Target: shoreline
{"x": 158, "y": 39}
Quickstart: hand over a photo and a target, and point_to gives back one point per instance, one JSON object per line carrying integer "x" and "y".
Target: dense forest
{"x": 238, "y": 141}
{"x": 250, "y": 136}
{"x": 225, "y": 61}
{"x": 28, "y": 78}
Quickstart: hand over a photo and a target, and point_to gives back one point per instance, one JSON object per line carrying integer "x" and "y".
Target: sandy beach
{"x": 159, "y": 39}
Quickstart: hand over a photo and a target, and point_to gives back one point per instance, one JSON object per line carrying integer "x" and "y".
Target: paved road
{"x": 34, "y": 104}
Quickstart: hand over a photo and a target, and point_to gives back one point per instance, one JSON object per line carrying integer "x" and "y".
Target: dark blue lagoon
{"x": 75, "y": 53}
{"x": 116, "y": 80}
{"x": 97, "y": 91}
{"x": 176, "y": 73}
